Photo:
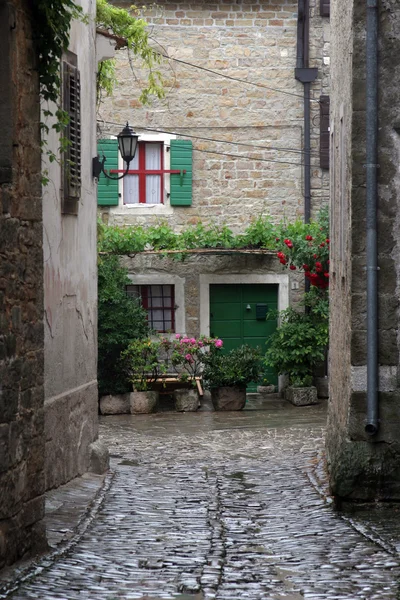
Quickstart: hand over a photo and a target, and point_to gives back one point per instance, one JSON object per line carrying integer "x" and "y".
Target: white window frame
{"x": 179, "y": 293}
{"x": 149, "y": 209}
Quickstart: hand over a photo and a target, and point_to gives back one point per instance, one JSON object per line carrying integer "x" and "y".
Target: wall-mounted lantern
{"x": 127, "y": 144}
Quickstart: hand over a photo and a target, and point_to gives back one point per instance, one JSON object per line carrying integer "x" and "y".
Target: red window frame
{"x": 142, "y": 172}
{"x": 146, "y": 296}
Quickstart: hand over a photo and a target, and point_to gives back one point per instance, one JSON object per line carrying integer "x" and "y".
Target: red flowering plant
{"x": 305, "y": 247}
{"x": 186, "y": 354}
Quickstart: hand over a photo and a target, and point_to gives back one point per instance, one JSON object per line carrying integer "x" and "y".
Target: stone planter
{"x": 142, "y": 403}
{"x": 266, "y": 389}
{"x": 322, "y": 385}
{"x": 115, "y": 405}
{"x": 229, "y": 398}
{"x": 301, "y": 396}
{"x": 186, "y": 400}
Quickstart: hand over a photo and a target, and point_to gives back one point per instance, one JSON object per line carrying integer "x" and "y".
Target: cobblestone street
{"x": 213, "y": 505}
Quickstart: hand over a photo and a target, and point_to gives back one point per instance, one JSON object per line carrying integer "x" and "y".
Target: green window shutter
{"x": 181, "y": 185}
{"x": 107, "y": 190}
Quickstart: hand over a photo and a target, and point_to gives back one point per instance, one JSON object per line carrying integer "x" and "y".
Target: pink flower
{"x": 192, "y": 340}
{"x": 178, "y": 336}
{"x": 219, "y": 344}
{"x": 185, "y": 340}
{"x": 200, "y": 344}
{"x": 189, "y": 357}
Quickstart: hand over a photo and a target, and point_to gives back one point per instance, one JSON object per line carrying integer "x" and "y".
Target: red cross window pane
{"x": 159, "y": 302}
{"x": 145, "y": 183}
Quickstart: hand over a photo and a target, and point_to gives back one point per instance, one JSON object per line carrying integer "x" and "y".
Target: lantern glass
{"x": 127, "y": 143}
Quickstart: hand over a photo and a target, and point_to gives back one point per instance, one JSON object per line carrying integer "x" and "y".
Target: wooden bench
{"x": 171, "y": 381}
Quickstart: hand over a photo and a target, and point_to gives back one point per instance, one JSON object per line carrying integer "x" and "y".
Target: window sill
{"x": 142, "y": 209}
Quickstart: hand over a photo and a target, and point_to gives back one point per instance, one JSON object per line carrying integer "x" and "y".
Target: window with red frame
{"x": 159, "y": 302}
{"x": 145, "y": 182}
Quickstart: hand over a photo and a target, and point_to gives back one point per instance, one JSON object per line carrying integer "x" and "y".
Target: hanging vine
{"x": 127, "y": 26}
{"x": 52, "y": 23}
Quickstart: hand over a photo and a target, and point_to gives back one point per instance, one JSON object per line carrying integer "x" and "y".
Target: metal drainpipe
{"x": 372, "y": 425}
{"x": 305, "y": 75}
{"x": 307, "y": 150}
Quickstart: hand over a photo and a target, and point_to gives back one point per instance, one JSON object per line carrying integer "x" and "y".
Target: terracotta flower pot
{"x": 229, "y": 398}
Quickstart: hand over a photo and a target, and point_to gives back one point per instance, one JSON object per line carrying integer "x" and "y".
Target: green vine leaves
{"x": 128, "y": 26}
{"x": 52, "y": 23}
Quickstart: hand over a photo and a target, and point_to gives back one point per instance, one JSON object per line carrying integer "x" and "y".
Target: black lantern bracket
{"x": 127, "y": 144}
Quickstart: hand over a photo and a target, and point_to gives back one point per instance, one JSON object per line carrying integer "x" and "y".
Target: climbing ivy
{"x": 52, "y": 23}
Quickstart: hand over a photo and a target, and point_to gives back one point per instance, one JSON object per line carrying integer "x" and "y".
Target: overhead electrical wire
{"x": 219, "y": 74}
{"x": 197, "y": 137}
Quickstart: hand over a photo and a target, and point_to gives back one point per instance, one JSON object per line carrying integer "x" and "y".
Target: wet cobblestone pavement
{"x": 211, "y": 505}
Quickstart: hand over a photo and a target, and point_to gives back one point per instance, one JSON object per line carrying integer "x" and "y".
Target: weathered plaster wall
{"x": 21, "y": 294}
{"x": 362, "y": 467}
{"x": 254, "y": 41}
{"x": 71, "y": 292}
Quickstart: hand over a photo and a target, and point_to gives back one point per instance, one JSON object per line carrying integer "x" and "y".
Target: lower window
{"x": 159, "y": 302}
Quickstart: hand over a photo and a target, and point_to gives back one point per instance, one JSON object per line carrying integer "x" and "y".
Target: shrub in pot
{"x": 228, "y": 374}
{"x": 142, "y": 366}
{"x": 185, "y": 356}
{"x": 295, "y": 348}
{"x": 120, "y": 320}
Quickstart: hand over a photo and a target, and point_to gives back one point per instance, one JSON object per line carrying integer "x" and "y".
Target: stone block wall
{"x": 21, "y": 292}
{"x": 192, "y": 275}
{"x": 250, "y": 40}
{"x": 363, "y": 467}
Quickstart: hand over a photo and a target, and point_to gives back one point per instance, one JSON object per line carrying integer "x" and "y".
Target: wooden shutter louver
{"x": 72, "y": 133}
{"x": 107, "y": 189}
{"x": 325, "y": 8}
{"x": 181, "y": 184}
{"x": 324, "y": 132}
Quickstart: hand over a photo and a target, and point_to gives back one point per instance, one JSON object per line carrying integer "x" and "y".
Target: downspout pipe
{"x": 306, "y": 75}
{"x": 372, "y": 424}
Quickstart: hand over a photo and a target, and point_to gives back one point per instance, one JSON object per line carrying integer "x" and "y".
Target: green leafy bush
{"x": 300, "y": 343}
{"x": 120, "y": 320}
{"x": 142, "y": 364}
{"x": 240, "y": 366}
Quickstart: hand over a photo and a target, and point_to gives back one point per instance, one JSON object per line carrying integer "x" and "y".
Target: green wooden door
{"x": 237, "y": 315}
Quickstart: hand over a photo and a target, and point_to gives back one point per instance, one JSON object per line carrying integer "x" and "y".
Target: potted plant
{"x": 143, "y": 368}
{"x": 266, "y": 387}
{"x": 120, "y": 320}
{"x": 186, "y": 356}
{"x": 295, "y": 348}
{"x": 228, "y": 374}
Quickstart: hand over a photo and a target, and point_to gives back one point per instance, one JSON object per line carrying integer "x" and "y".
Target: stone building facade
{"x": 254, "y": 42}
{"x": 247, "y": 134}
{"x": 48, "y": 281}
{"x": 363, "y": 467}
{"x": 22, "y": 481}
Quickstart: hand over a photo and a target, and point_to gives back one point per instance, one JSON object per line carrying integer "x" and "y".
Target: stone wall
{"x": 362, "y": 467}
{"x": 70, "y": 292}
{"x": 249, "y": 40}
{"x": 21, "y": 292}
{"x": 192, "y": 276}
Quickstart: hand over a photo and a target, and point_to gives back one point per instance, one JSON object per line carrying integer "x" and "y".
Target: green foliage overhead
{"x": 260, "y": 234}
{"x": 120, "y": 320}
{"x": 126, "y": 25}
